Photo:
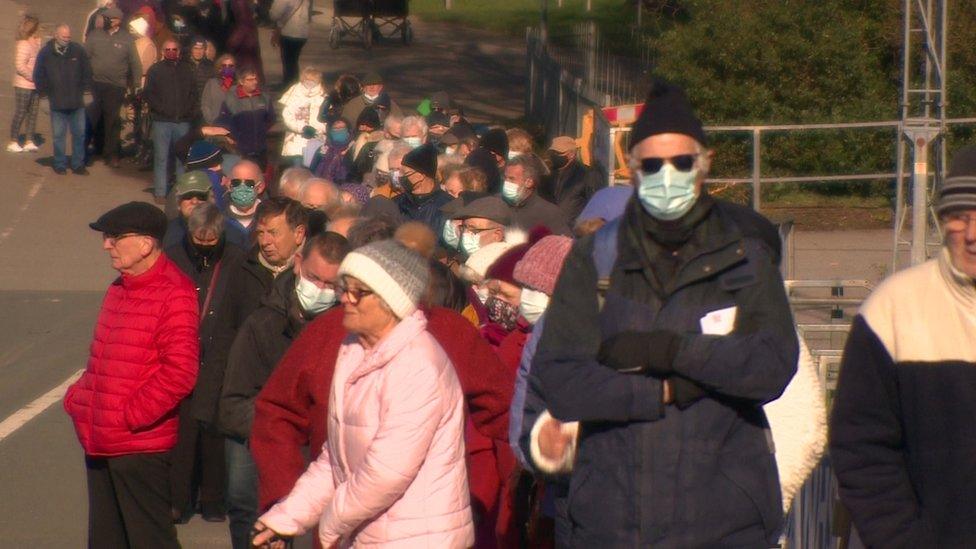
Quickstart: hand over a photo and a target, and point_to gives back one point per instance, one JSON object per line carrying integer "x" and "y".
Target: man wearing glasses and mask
{"x": 243, "y": 191}
{"x": 902, "y": 431}
{"x": 668, "y": 330}
{"x": 143, "y": 362}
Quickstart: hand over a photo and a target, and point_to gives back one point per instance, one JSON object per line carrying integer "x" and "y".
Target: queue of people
{"x": 424, "y": 333}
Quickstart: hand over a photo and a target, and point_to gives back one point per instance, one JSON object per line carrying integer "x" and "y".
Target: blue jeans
{"x": 61, "y": 123}
{"x": 242, "y": 491}
{"x": 164, "y": 135}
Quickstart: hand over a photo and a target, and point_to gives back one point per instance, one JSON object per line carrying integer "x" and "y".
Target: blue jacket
{"x": 248, "y": 118}
{"x": 647, "y": 474}
{"x": 425, "y": 208}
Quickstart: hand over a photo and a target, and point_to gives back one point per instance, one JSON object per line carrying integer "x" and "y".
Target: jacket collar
{"x": 390, "y": 346}
{"x": 239, "y": 91}
{"x": 961, "y": 286}
{"x": 715, "y": 244}
{"x": 141, "y": 280}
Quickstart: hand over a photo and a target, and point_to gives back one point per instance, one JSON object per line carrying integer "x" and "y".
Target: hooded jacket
{"x": 647, "y": 474}
{"x": 63, "y": 76}
{"x": 143, "y": 361}
{"x": 392, "y": 472}
{"x": 902, "y": 437}
{"x": 300, "y": 106}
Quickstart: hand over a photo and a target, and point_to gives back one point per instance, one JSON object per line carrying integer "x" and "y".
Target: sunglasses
{"x": 682, "y": 163}
{"x": 239, "y": 182}
{"x": 197, "y": 195}
{"x": 171, "y": 49}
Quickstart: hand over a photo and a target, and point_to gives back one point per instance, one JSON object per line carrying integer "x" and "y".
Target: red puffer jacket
{"x": 143, "y": 361}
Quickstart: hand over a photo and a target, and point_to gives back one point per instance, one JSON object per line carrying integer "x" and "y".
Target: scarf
{"x": 275, "y": 270}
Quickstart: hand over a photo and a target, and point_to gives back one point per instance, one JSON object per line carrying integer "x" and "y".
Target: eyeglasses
{"x": 113, "y": 239}
{"x": 681, "y": 162}
{"x": 475, "y": 230}
{"x": 171, "y": 49}
{"x": 355, "y": 295}
{"x": 202, "y": 196}
{"x": 239, "y": 182}
{"x": 958, "y": 222}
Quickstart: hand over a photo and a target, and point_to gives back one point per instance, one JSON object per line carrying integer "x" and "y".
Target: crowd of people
{"x": 404, "y": 328}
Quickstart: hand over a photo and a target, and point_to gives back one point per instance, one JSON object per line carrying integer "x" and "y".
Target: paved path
{"x": 53, "y": 274}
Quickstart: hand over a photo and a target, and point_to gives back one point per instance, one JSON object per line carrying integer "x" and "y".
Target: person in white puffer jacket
{"x": 302, "y": 103}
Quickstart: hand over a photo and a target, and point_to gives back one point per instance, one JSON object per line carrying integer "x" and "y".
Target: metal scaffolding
{"x": 923, "y": 126}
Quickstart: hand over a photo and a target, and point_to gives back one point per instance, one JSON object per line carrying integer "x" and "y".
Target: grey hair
{"x": 398, "y": 151}
{"x": 205, "y": 218}
{"x": 391, "y": 120}
{"x": 294, "y": 178}
{"x": 532, "y": 167}
{"x": 414, "y": 122}
{"x": 333, "y": 189}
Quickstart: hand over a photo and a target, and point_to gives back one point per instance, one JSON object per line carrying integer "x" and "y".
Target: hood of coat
{"x": 300, "y": 91}
{"x": 386, "y": 349}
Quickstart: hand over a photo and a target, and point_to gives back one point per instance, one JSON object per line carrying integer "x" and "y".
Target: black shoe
{"x": 60, "y": 171}
{"x": 182, "y": 517}
{"x": 212, "y": 512}
{"x": 80, "y": 171}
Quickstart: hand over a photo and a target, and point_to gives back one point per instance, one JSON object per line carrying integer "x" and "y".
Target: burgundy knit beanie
{"x": 539, "y": 268}
{"x": 504, "y": 267}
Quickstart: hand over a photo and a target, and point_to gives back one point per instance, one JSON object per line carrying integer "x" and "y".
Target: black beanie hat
{"x": 667, "y": 110}
{"x": 483, "y": 160}
{"x": 438, "y": 118}
{"x": 496, "y": 141}
{"x": 423, "y": 159}
{"x": 958, "y": 192}
{"x": 368, "y": 117}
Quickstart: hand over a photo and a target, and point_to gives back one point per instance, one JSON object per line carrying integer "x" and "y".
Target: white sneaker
{"x": 30, "y": 147}
{"x": 14, "y": 147}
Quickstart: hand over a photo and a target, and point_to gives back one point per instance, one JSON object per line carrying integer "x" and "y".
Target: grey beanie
{"x": 959, "y": 189}
{"x": 396, "y": 273}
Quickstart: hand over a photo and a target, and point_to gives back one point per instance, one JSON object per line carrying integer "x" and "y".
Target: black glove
{"x": 308, "y": 132}
{"x": 685, "y": 391}
{"x": 640, "y": 352}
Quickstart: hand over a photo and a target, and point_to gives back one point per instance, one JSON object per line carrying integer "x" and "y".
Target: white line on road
{"x": 19, "y": 418}
{"x": 23, "y": 208}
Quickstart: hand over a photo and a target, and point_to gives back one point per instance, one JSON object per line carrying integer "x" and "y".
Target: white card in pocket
{"x": 719, "y": 322}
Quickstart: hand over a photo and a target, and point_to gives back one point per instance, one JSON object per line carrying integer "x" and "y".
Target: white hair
{"x": 414, "y": 122}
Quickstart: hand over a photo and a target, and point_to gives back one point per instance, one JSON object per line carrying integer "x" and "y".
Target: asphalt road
{"x": 53, "y": 273}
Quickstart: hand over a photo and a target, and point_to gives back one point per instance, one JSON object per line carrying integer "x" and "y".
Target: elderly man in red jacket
{"x": 143, "y": 361}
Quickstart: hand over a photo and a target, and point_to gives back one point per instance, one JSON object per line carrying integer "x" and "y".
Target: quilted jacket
{"x": 392, "y": 472}
{"x": 143, "y": 361}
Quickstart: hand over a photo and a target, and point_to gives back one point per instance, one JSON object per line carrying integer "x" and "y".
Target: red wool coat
{"x": 142, "y": 363}
{"x": 291, "y": 410}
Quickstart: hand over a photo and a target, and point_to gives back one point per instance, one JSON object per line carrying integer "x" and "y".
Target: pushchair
{"x": 370, "y": 20}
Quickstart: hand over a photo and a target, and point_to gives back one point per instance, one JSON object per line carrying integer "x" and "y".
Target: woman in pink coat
{"x": 392, "y": 472}
{"x": 25, "y": 110}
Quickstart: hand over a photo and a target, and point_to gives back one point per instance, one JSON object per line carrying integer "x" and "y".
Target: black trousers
{"x": 129, "y": 503}
{"x": 197, "y": 463}
{"x": 291, "y": 49}
{"x": 106, "y": 102}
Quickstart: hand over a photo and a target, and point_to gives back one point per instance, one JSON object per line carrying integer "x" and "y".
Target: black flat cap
{"x": 134, "y": 217}
{"x": 423, "y": 159}
{"x": 496, "y": 141}
{"x": 667, "y": 110}
{"x": 457, "y": 134}
{"x": 490, "y": 207}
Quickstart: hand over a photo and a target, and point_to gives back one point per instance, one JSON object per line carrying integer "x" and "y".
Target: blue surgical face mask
{"x": 449, "y": 235}
{"x": 243, "y": 196}
{"x": 470, "y": 243}
{"x": 313, "y": 299}
{"x": 413, "y": 142}
{"x": 339, "y": 136}
{"x": 669, "y": 193}
{"x": 511, "y": 192}
{"x": 532, "y": 304}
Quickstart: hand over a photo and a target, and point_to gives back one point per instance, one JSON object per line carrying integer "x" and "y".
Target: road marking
{"x": 20, "y": 418}
{"x": 35, "y": 188}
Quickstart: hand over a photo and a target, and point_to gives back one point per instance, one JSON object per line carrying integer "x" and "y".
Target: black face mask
{"x": 205, "y": 251}
{"x": 557, "y": 161}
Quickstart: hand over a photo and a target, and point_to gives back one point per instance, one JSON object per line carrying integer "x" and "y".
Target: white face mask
{"x": 313, "y": 299}
{"x": 470, "y": 243}
{"x": 370, "y": 97}
{"x": 512, "y": 155}
{"x": 414, "y": 142}
{"x": 532, "y": 305}
{"x": 511, "y": 192}
{"x": 309, "y": 85}
{"x": 450, "y": 150}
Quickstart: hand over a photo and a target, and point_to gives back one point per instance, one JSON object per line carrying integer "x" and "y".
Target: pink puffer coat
{"x": 392, "y": 472}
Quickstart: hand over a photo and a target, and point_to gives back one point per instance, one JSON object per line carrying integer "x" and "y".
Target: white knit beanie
{"x": 396, "y": 273}
{"x": 476, "y": 267}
